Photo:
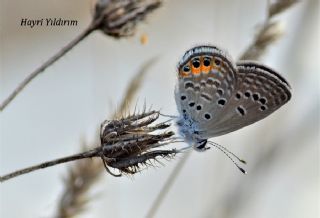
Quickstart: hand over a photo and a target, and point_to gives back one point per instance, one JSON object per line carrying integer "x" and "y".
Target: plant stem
{"x": 87, "y": 154}
{"x": 93, "y": 26}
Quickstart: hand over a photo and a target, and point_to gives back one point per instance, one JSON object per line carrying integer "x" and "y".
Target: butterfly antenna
{"x": 227, "y": 154}
{"x": 234, "y": 155}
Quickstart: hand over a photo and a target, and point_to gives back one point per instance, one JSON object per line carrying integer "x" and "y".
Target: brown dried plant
{"x": 280, "y": 6}
{"x": 127, "y": 144}
{"x": 269, "y": 32}
{"x": 116, "y": 18}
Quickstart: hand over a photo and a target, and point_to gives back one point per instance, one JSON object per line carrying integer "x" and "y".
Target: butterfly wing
{"x": 207, "y": 80}
{"x": 259, "y": 92}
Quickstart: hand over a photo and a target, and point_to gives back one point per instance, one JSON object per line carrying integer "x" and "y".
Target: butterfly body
{"x": 215, "y": 96}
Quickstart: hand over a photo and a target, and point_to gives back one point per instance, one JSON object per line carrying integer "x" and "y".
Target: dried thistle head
{"x": 119, "y": 18}
{"x": 131, "y": 142}
{"x": 127, "y": 144}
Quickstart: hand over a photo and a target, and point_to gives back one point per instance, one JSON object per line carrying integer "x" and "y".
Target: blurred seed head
{"x": 119, "y": 18}
{"x": 279, "y": 6}
{"x": 270, "y": 33}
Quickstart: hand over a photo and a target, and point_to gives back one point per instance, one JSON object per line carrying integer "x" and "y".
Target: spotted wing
{"x": 207, "y": 80}
{"x": 259, "y": 92}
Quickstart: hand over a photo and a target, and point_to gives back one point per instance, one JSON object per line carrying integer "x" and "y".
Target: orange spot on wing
{"x": 183, "y": 74}
{"x": 205, "y": 69}
{"x": 194, "y": 70}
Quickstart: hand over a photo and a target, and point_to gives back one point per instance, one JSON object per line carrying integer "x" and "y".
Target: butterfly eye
{"x": 196, "y": 63}
{"x": 206, "y": 62}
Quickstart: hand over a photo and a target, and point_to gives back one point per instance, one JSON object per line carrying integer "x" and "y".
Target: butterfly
{"x": 216, "y": 96}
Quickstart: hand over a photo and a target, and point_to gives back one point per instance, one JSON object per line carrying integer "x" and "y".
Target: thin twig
{"x": 46, "y": 64}
{"x": 115, "y": 18}
{"x": 86, "y": 154}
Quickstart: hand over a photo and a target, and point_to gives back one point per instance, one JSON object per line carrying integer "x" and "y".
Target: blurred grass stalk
{"x": 270, "y": 32}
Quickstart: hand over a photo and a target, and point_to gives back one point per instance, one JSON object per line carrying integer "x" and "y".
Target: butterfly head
{"x": 189, "y": 131}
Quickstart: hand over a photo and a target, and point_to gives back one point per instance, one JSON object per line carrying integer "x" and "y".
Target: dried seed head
{"x": 119, "y": 18}
{"x": 132, "y": 165}
{"x": 128, "y": 143}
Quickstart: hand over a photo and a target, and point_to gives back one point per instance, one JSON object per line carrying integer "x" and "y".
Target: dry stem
{"x": 115, "y": 18}
{"x": 124, "y": 145}
{"x": 86, "y": 154}
{"x": 45, "y": 65}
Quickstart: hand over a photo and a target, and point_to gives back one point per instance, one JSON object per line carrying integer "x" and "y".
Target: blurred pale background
{"x": 66, "y": 103}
